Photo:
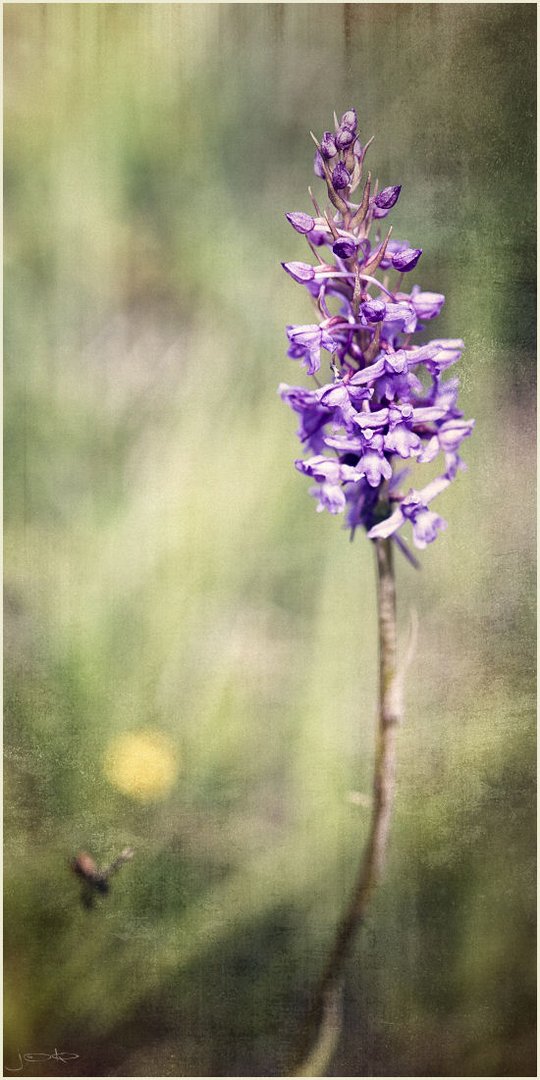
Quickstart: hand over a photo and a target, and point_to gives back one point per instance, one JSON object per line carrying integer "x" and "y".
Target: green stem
{"x": 322, "y": 1014}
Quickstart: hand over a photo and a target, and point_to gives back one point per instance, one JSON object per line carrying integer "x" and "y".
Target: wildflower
{"x": 376, "y": 411}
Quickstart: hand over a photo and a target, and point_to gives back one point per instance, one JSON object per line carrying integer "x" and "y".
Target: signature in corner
{"x": 63, "y": 1056}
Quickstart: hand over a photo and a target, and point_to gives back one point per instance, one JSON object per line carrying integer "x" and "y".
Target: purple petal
{"x": 321, "y": 468}
{"x": 430, "y": 451}
{"x": 303, "y": 223}
{"x": 426, "y": 526}
{"x": 372, "y": 419}
{"x": 426, "y": 304}
{"x": 402, "y": 312}
{"x": 328, "y": 342}
{"x": 337, "y": 396}
{"x": 402, "y": 441}
{"x": 376, "y": 468}
{"x": 421, "y": 354}
{"x": 426, "y": 414}
{"x": 299, "y": 271}
{"x": 368, "y": 374}
{"x": 396, "y": 363}
{"x": 307, "y": 336}
{"x": 331, "y": 497}
{"x": 433, "y": 489}
{"x": 345, "y": 444}
{"x": 452, "y": 433}
{"x": 312, "y": 361}
{"x": 387, "y": 527}
{"x": 447, "y": 351}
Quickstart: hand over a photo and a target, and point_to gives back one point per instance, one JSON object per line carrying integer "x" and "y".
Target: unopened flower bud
{"x": 344, "y": 247}
{"x": 373, "y": 310}
{"x": 349, "y": 120}
{"x": 328, "y": 145}
{"x": 303, "y": 223}
{"x": 344, "y": 137}
{"x": 388, "y": 197}
{"x": 340, "y": 177}
{"x": 300, "y": 271}
{"x": 406, "y": 260}
{"x": 318, "y": 167}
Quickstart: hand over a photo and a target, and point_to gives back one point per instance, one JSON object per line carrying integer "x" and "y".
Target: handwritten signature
{"x": 63, "y": 1056}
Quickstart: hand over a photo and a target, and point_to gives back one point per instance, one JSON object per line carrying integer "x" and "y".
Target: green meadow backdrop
{"x": 190, "y": 650}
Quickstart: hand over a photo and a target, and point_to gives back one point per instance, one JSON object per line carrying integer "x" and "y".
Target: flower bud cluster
{"x": 389, "y": 400}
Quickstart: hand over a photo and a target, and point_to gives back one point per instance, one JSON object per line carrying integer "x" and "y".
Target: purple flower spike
{"x": 340, "y": 177}
{"x": 388, "y": 197}
{"x": 300, "y": 271}
{"x": 388, "y": 400}
{"x": 373, "y": 310}
{"x": 345, "y": 247}
{"x": 406, "y": 260}
{"x": 328, "y": 145}
{"x": 303, "y": 223}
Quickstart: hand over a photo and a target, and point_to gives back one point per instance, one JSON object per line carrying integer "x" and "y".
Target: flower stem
{"x": 325, "y": 1003}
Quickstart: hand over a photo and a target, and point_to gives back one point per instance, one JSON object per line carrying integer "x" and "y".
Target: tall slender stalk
{"x": 323, "y": 1021}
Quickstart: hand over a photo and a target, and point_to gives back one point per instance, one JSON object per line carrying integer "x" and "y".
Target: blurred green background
{"x": 174, "y": 603}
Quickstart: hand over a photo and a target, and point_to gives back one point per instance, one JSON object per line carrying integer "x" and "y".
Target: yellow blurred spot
{"x": 142, "y": 764}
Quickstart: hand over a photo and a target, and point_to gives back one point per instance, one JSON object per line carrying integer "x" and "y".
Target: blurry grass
{"x": 165, "y": 567}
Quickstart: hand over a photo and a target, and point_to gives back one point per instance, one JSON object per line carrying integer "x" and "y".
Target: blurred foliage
{"x": 166, "y": 575}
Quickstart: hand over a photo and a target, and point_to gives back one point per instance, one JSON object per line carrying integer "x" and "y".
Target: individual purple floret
{"x": 377, "y": 412}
